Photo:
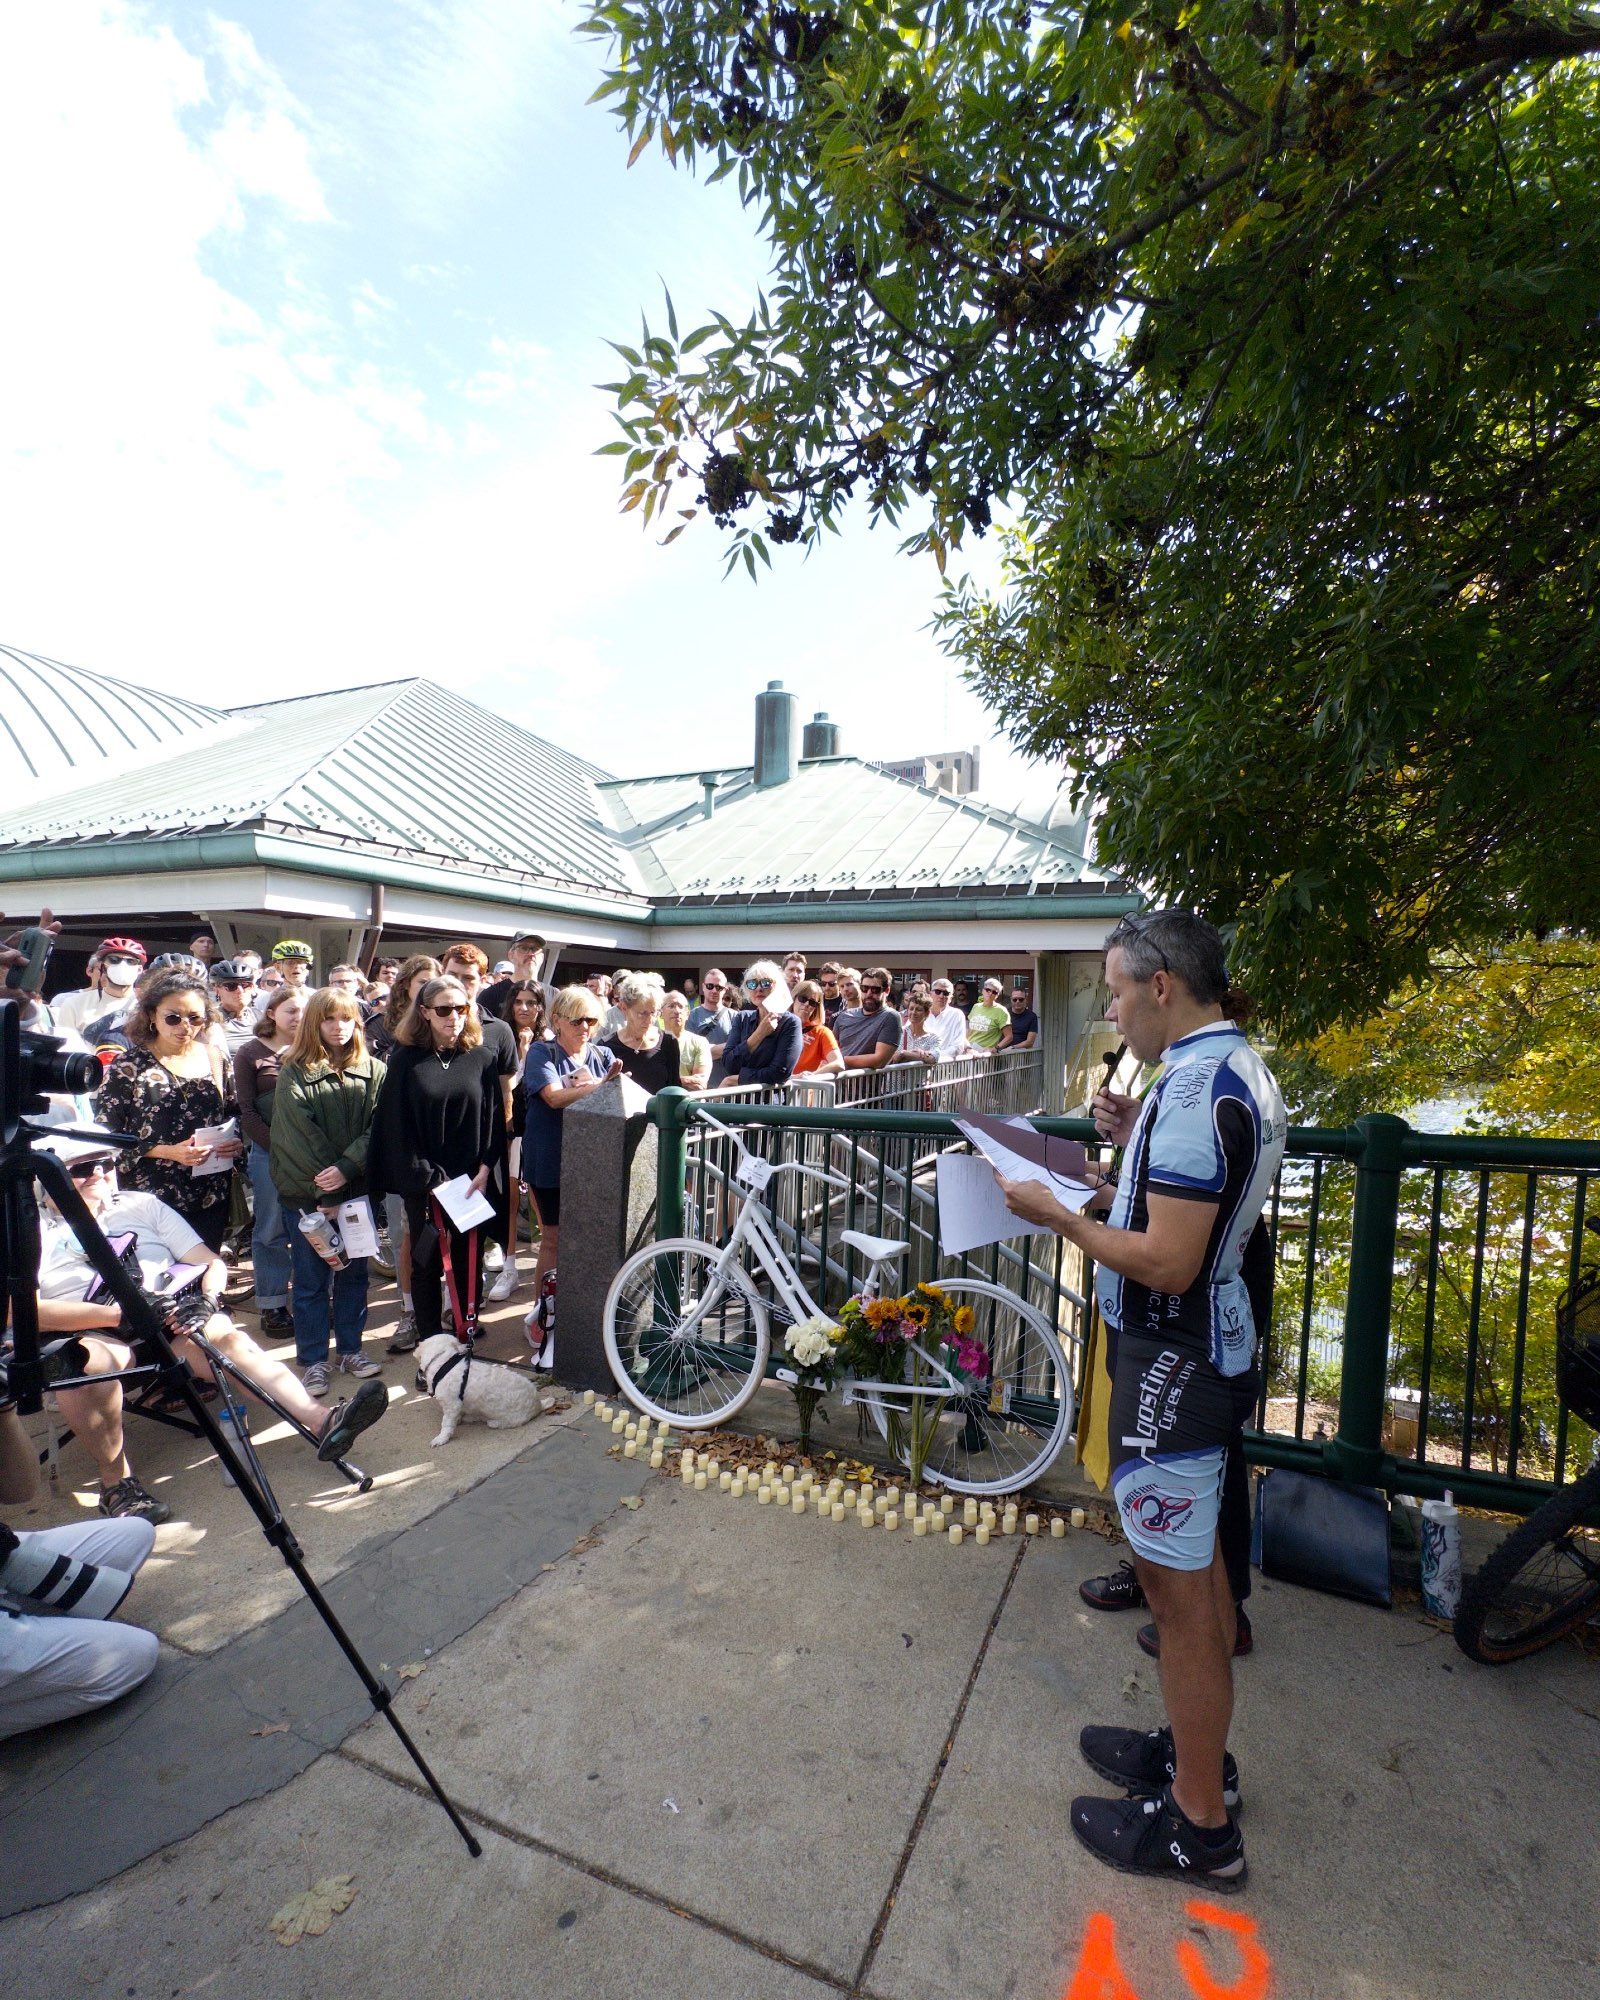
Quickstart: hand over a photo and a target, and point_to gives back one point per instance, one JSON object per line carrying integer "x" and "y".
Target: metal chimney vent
{"x": 821, "y": 737}
{"x": 775, "y": 761}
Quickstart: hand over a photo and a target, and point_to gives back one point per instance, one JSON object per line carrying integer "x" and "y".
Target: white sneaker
{"x": 506, "y": 1283}
{"x": 493, "y": 1256}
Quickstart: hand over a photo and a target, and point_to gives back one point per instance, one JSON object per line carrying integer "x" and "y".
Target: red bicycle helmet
{"x": 122, "y": 948}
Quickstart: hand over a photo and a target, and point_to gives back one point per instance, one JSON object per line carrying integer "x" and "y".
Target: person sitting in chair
{"x": 161, "y": 1237}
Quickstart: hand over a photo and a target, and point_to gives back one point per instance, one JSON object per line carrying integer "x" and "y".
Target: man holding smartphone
{"x": 1202, "y": 1152}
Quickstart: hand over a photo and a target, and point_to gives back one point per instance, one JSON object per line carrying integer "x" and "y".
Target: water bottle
{"x": 320, "y": 1233}
{"x": 235, "y": 1430}
{"x": 1441, "y": 1557}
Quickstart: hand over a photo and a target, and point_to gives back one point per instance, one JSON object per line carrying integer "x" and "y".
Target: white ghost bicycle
{"x": 688, "y": 1336}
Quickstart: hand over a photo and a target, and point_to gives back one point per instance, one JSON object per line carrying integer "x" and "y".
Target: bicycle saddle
{"x": 877, "y": 1249}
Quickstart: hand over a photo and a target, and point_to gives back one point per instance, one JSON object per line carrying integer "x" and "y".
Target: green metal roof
{"x": 405, "y": 767}
{"x": 838, "y": 830}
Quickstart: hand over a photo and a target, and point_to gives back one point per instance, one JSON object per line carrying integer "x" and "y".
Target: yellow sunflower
{"x": 963, "y": 1319}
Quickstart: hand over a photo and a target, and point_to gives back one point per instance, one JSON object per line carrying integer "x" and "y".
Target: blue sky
{"x": 313, "y": 300}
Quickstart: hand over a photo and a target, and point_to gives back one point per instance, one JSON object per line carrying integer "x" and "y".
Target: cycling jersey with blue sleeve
{"x": 1212, "y": 1129}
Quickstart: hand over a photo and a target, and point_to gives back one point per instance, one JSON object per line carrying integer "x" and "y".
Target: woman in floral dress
{"x": 174, "y": 1081}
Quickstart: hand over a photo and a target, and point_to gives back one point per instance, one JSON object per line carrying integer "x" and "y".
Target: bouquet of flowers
{"x": 922, "y": 1340}
{"x": 813, "y": 1348}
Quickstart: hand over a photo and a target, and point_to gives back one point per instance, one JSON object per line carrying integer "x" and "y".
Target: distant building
{"x": 954, "y": 771}
{"x": 407, "y": 814}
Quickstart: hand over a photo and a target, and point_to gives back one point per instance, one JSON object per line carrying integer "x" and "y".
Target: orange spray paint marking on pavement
{"x": 1256, "y": 1977}
{"x": 1099, "y": 1974}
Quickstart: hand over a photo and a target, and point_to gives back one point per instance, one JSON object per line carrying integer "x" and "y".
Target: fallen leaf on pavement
{"x": 311, "y": 1912}
{"x": 410, "y": 1671}
{"x": 631, "y": 1500}
{"x": 272, "y": 1729}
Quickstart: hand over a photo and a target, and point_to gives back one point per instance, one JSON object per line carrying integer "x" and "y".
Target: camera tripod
{"x": 145, "y": 1328}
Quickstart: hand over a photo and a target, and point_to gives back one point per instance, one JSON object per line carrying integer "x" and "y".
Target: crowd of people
{"x": 261, "y": 1102}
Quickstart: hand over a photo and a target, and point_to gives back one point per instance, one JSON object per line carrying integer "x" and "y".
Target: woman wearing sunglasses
{"x": 171, "y": 1084}
{"x": 764, "y": 1042}
{"x": 440, "y": 1116}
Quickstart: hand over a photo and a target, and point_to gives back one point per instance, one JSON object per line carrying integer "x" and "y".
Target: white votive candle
{"x": 947, "y": 1503}
{"x": 955, "y": 1534}
{"x": 920, "y": 1525}
{"x": 699, "y": 1482}
{"x": 713, "y": 1466}
{"x": 891, "y": 1520}
{"x": 701, "y": 1460}
{"x": 1058, "y": 1529}
{"x": 982, "y": 1536}
{"x": 838, "y": 1511}
{"x": 969, "y": 1513}
{"x": 656, "y": 1461}
{"x": 686, "y": 1473}
{"x": 724, "y": 1482}
{"x": 1032, "y": 1524}
{"x": 618, "y": 1426}
{"x": 788, "y": 1475}
{"x": 765, "y": 1496}
{"x": 1078, "y": 1517}
{"x": 866, "y": 1517}
{"x": 588, "y": 1399}
{"x": 893, "y": 1496}
{"x": 798, "y": 1504}
{"x": 630, "y": 1449}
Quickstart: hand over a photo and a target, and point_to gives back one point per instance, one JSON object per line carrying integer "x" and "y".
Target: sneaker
{"x": 493, "y": 1256}
{"x": 128, "y": 1497}
{"x": 1120, "y": 1591}
{"x": 1150, "y": 1639}
{"x": 277, "y": 1319}
{"x": 1152, "y": 1837}
{"x": 405, "y": 1335}
{"x": 506, "y": 1283}
{"x": 315, "y": 1378}
{"x": 349, "y": 1419}
{"x": 356, "y": 1364}
{"x": 1142, "y": 1761}
{"x": 382, "y": 1258}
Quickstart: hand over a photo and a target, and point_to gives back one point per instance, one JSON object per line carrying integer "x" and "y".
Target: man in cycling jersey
{"x": 1201, "y": 1155}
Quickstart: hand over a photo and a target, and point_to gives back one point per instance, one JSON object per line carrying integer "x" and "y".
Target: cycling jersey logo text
{"x": 1160, "y": 1513}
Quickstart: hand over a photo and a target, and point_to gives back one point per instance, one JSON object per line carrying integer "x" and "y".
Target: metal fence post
{"x": 669, "y": 1111}
{"x": 1355, "y": 1452}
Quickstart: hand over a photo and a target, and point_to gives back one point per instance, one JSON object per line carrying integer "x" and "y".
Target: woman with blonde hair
{"x": 322, "y": 1114}
{"x": 441, "y": 1117}
{"x": 764, "y": 1042}
{"x": 557, "y": 1073}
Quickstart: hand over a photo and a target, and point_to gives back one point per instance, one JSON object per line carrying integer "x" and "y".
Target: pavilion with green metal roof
{"x": 406, "y": 813}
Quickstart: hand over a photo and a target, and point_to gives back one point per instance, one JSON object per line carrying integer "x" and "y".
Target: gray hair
{"x": 1175, "y": 941}
{"x": 632, "y": 987}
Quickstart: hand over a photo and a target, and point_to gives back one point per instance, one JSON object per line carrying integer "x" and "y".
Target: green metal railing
{"x": 1427, "y": 1266}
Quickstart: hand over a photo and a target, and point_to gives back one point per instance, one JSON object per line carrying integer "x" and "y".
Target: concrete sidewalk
{"x": 716, "y": 1748}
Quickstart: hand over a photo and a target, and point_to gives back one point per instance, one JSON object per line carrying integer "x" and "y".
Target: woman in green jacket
{"x": 321, "y": 1118}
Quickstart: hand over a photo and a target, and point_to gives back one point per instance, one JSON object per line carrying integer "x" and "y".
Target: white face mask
{"x": 119, "y": 972}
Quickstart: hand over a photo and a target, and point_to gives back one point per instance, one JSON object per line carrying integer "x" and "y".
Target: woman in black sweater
{"x": 440, "y": 1116}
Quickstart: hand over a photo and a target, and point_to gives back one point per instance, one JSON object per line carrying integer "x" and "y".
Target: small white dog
{"x": 489, "y": 1393}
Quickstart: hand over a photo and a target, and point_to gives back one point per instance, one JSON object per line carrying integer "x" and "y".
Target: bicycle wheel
{"x": 1004, "y": 1435}
{"x": 686, "y": 1337}
{"x": 1541, "y": 1583}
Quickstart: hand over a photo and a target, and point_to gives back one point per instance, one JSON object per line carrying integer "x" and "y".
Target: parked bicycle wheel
{"x": 1006, "y": 1434}
{"x": 1541, "y": 1583}
{"x": 685, "y": 1334}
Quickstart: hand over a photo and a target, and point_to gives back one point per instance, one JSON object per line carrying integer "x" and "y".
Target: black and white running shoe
{"x": 1152, "y": 1837}
{"x": 1144, "y": 1761}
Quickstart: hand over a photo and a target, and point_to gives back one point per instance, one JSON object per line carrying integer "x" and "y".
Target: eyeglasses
{"x": 712, "y": 986}
{"x": 228, "y": 985}
{"x": 448, "y": 1007}
{"x": 584, "y": 1021}
{"x": 759, "y": 985}
{"x": 183, "y": 1020}
{"x": 86, "y": 1170}
{"x": 874, "y": 989}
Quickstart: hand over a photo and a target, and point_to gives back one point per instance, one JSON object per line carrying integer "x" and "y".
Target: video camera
{"x": 35, "y": 1067}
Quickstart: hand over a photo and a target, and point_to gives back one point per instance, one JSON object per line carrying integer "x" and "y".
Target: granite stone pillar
{"x": 608, "y": 1192}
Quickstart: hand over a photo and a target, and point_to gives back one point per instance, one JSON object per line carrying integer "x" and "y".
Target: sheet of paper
{"x": 1013, "y": 1148}
{"x": 357, "y": 1227}
{"x": 754, "y": 1171}
{"x": 216, "y": 1135}
{"x": 972, "y": 1210}
{"x": 464, "y": 1208}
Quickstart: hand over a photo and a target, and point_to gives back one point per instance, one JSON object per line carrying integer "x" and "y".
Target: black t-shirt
{"x": 436, "y": 1119}
{"x": 652, "y": 1069}
{"x": 1023, "y": 1025}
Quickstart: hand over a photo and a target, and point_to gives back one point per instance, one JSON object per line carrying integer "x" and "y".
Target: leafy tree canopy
{"x": 1277, "y": 326}
{"x": 1514, "y": 1032}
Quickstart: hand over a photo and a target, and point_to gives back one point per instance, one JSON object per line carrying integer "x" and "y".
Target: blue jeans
{"x": 313, "y": 1282}
{"x": 269, "y": 1241}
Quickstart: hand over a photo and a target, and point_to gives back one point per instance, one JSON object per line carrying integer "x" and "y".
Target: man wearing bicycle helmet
{"x": 114, "y": 964}
{"x": 294, "y": 958}
{"x": 1201, "y": 1153}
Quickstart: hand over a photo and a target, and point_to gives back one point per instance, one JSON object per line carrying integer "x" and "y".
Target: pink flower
{"x": 971, "y": 1359}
